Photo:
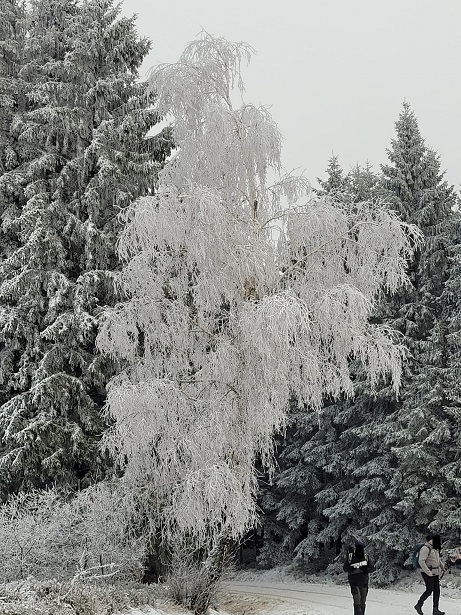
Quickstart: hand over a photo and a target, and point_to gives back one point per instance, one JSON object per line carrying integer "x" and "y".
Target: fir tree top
{"x": 336, "y": 181}
{"x": 403, "y": 178}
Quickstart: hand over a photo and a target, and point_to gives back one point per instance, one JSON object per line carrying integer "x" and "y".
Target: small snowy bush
{"x": 47, "y": 536}
{"x": 99, "y": 517}
{"x": 26, "y": 535}
{"x": 194, "y": 584}
{"x": 34, "y": 597}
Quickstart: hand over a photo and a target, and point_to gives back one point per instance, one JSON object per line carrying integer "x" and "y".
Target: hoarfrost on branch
{"x": 240, "y": 297}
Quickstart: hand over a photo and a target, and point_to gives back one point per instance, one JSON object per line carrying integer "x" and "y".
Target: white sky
{"x": 334, "y": 72}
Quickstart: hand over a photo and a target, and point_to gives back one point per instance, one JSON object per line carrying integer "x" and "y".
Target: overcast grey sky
{"x": 335, "y": 72}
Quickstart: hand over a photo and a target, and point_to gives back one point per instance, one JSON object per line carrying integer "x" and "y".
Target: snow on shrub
{"x": 45, "y": 535}
{"x": 34, "y": 597}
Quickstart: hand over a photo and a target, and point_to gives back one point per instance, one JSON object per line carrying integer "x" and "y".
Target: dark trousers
{"x": 359, "y": 595}
{"x": 432, "y": 587}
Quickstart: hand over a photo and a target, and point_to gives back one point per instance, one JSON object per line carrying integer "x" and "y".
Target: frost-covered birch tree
{"x": 240, "y": 295}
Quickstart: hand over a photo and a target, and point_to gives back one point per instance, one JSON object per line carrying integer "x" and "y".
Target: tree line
{"x": 154, "y": 336}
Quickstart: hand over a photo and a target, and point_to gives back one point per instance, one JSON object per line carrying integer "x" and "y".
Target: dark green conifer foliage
{"x": 377, "y": 466}
{"x": 424, "y": 430}
{"x": 363, "y": 183}
{"x": 88, "y": 155}
{"x": 449, "y": 511}
{"x": 12, "y": 100}
{"x": 12, "y": 38}
{"x": 12, "y": 152}
{"x": 392, "y": 429}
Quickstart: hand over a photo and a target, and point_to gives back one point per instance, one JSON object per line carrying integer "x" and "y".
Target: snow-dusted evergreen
{"x": 12, "y": 36}
{"x": 379, "y": 466}
{"x": 425, "y": 429}
{"x": 12, "y": 100}
{"x": 449, "y": 513}
{"x": 359, "y": 184}
{"x": 363, "y": 183}
{"x": 336, "y": 181}
{"x": 84, "y": 131}
{"x": 413, "y": 451}
{"x": 236, "y": 303}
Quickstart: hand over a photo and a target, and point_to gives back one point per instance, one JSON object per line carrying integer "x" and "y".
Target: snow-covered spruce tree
{"x": 448, "y": 514}
{"x": 224, "y": 323}
{"x": 424, "y": 432}
{"x": 403, "y": 478}
{"x": 387, "y": 442}
{"x": 363, "y": 183}
{"x": 336, "y": 181}
{"x": 12, "y": 37}
{"x": 293, "y": 522}
{"x": 88, "y": 156}
{"x": 12, "y": 34}
{"x": 372, "y": 452}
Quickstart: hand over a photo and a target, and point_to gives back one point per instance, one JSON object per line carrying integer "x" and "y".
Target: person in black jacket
{"x": 358, "y": 567}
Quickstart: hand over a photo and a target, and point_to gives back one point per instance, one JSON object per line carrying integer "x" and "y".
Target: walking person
{"x": 431, "y": 568}
{"x": 358, "y": 567}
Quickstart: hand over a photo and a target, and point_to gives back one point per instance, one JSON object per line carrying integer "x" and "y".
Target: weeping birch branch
{"x": 281, "y": 313}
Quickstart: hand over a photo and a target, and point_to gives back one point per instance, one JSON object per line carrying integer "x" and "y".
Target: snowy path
{"x": 316, "y": 599}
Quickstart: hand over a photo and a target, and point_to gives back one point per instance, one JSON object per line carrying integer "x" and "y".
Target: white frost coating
{"x": 223, "y": 325}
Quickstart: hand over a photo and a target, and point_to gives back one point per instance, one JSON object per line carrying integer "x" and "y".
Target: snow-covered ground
{"x": 275, "y": 592}
{"x": 319, "y": 599}
{"x": 266, "y": 597}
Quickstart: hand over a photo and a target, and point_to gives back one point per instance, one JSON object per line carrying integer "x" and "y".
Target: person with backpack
{"x": 431, "y": 568}
{"x": 358, "y": 567}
